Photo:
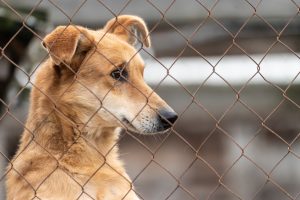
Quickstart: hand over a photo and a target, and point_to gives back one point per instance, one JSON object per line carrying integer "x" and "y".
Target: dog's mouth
{"x": 128, "y": 125}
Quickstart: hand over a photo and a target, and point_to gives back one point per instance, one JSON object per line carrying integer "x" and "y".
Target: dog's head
{"x": 100, "y": 72}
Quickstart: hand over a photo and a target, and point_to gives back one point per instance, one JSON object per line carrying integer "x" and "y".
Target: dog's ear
{"x": 129, "y": 28}
{"x": 67, "y": 45}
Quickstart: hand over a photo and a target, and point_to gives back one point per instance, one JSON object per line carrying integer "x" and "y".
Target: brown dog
{"x": 91, "y": 85}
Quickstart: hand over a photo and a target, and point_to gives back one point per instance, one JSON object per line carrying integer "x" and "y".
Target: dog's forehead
{"x": 107, "y": 40}
{"x": 115, "y": 49}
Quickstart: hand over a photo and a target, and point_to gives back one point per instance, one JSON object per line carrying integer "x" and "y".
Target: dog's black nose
{"x": 167, "y": 118}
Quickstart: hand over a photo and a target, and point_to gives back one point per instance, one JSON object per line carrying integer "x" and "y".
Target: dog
{"x": 89, "y": 89}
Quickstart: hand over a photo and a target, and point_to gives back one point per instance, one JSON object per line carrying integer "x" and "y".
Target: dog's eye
{"x": 119, "y": 74}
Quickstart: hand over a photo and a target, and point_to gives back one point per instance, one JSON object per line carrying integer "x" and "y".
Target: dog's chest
{"x": 90, "y": 192}
{"x": 111, "y": 193}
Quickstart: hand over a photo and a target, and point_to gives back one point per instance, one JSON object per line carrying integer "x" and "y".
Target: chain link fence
{"x": 237, "y": 135}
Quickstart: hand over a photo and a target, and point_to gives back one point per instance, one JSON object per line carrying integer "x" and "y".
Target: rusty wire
{"x": 217, "y": 120}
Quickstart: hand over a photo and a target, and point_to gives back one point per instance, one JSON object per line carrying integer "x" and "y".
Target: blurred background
{"x": 228, "y": 67}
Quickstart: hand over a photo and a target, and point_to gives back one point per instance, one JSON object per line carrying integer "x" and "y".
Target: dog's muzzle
{"x": 163, "y": 121}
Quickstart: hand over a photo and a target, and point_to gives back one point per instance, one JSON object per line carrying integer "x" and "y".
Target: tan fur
{"x": 69, "y": 147}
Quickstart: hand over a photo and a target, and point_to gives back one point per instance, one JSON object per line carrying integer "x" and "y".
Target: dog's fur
{"x": 68, "y": 149}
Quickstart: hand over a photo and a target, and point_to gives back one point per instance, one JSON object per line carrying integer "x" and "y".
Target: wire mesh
{"x": 177, "y": 179}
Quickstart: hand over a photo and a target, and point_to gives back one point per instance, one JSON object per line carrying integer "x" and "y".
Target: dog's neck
{"x": 69, "y": 127}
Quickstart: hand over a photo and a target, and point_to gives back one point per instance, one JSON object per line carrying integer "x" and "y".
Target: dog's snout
{"x": 167, "y": 118}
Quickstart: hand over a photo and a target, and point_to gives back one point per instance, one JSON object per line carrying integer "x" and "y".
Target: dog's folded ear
{"x": 129, "y": 28}
{"x": 67, "y": 44}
